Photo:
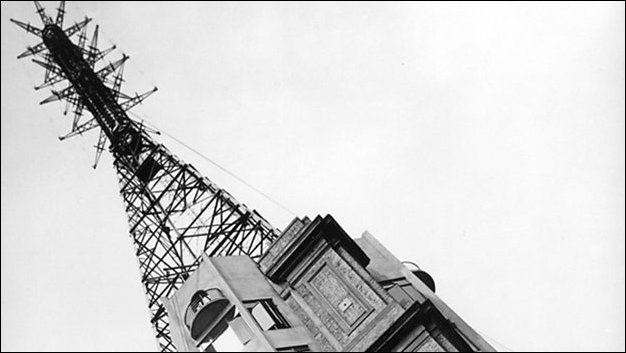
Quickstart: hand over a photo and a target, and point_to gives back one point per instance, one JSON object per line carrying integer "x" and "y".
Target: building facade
{"x": 315, "y": 289}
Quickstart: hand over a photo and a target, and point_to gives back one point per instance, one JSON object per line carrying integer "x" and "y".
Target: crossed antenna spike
{"x": 111, "y": 74}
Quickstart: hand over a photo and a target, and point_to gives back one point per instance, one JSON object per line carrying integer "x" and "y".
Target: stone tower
{"x": 315, "y": 289}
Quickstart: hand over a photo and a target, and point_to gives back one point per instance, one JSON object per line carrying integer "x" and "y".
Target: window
{"x": 401, "y": 291}
{"x": 266, "y": 314}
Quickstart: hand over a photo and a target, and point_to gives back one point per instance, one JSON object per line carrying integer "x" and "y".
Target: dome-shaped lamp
{"x": 422, "y": 275}
{"x": 205, "y": 309}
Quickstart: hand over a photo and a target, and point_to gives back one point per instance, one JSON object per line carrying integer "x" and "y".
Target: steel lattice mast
{"x": 174, "y": 213}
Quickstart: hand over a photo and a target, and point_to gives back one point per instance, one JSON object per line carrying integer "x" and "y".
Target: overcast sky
{"x": 484, "y": 142}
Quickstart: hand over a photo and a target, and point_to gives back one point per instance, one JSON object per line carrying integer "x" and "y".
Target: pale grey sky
{"x": 483, "y": 141}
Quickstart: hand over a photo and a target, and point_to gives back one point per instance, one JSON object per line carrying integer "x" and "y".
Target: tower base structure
{"x": 315, "y": 289}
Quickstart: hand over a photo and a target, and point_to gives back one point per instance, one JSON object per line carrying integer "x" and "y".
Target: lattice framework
{"x": 174, "y": 213}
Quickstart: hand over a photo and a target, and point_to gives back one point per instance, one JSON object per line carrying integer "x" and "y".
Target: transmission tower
{"x": 174, "y": 213}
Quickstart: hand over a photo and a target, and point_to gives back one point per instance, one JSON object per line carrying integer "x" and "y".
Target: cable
{"x": 241, "y": 180}
{"x": 494, "y": 341}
